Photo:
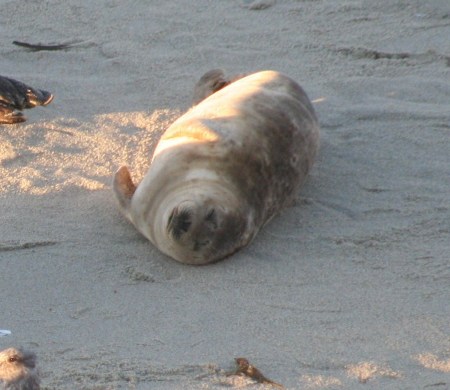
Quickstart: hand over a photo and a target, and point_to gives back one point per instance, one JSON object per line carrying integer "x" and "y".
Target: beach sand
{"x": 348, "y": 288}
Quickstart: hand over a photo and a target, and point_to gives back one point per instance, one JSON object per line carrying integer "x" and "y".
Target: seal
{"x": 224, "y": 169}
{"x": 16, "y": 96}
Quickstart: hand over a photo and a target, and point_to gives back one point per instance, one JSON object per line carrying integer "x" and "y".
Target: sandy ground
{"x": 348, "y": 289}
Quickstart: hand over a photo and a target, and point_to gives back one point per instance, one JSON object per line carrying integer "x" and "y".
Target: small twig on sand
{"x": 245, "y": 368}
{"x": 40, "y": 47}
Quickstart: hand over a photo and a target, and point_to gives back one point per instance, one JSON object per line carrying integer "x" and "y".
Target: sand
{"x": 347, "y": 289}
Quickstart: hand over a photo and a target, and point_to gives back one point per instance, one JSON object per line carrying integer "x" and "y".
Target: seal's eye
{"x": 13, "y": 359}
{"x": 179, "y": 223}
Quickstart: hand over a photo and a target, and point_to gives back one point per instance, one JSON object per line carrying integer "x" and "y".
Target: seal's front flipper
{"x": 9, "y": 116}
{"x": 124, "y": 188}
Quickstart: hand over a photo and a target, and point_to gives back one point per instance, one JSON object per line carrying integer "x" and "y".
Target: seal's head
{"x": 201, "y": 230}
{"x": 195, "y": 220}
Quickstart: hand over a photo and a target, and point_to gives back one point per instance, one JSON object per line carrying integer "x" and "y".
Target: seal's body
{"x": 16, "y": 96}
{"x": 224, "y": 169}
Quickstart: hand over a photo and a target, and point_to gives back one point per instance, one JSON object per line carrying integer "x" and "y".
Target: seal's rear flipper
{"x": 209, "y": 83}
{"x": 124, "y": 188}
{"x": 37, "y": 97}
